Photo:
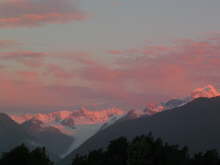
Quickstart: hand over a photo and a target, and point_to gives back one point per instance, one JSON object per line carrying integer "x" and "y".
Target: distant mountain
{"x": 195, "y": 124}
{"x": 208, "y": 91}
{"x": 83, "y": 123}
{"x": 70, "y": 118}
{"x": 77, "y": 117}
{"x": 52, "y": 138}
{"x": 11, "y": 133}
{"x": 33, "y": 134}
{"x": 79, "y": 124}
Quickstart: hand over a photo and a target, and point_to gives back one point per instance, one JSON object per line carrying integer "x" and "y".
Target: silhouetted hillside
{"x": 23, "y": 156}
{"x": 11, "y": 133}
{"x": 145, "y": 150}
{"x": 55, "y": 141}
{"x": 195, "y": 124}
{"x": 33, "y": 135}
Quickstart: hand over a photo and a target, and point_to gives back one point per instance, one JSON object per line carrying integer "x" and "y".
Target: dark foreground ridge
{"x": 195, "y": 125}
{"x": 21, "y": 155}
{"x": 142, "y": 150}
{"x": 32, "y": 134}
{"x": 145, "y": 150}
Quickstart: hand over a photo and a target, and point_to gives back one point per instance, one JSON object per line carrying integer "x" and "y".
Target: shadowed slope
{"x": 11, "y": 133}
{"x": 195, "y": 124}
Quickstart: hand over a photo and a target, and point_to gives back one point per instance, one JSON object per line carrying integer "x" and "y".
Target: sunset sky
{"x": 105, "y": 53}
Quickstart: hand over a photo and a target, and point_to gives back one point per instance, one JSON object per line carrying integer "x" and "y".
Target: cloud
{"x": 21, "y": 55}
{"x": 170, "y": 70}
{"x": 30, "y": 13}
{"x": 137, "y": 76}
{"x": 29, "y": 76}
{"x": 8, "y": 43}
{"x": 27, "y": 58}
{"x": 58, "y": 72}
{"x": 30, "y": 92}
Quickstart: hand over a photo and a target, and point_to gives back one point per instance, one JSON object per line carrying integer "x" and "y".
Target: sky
{"x": 105, "y": 53}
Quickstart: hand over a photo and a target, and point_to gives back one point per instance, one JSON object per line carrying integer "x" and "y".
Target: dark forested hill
{"x": 32, "y": 134}
{"x": 11, "y": 133}
{"x": 196, "y": 125}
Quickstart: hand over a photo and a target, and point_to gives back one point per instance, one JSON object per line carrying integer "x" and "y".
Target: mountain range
{"x": 195, "y": 124}
{"x": 79, "y": 124}
{"x": 33, "y": 134}
{"x": 11, "y": 133}
{"x": 208, "y": 91}
{"x": 79, "y": 131}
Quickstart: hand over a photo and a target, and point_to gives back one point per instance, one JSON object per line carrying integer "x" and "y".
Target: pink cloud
{"x": 27, "y": 58}
{"x": 58, "y": 72}
{"x": 21, "y": 55}
{"x": 29, "y": 13}
{"x": 162, "y": 70}
{"x": 29, "y": 76}
{"x": 115, "y": 52}
{"x": 8, "y": 43}
{"x": 33, "y": 93}
{"x": 136, "y": 77}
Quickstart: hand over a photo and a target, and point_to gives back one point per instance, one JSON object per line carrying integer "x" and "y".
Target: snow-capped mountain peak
{"x": 80, "y": 124}
{"x": 208, "y": 91}
{"x": 34, "y": 122}
{"x": 78, "y": 117}
{"x": 83, "y": 123}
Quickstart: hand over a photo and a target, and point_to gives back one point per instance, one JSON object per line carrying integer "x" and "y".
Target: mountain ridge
{"x": 195, "y": 124}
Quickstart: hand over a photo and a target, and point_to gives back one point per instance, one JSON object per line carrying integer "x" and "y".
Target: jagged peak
{"x": 208, "y": 91}
{"x": 5, "y": 117}
{"x": 34, "y": 121}
{"x": 81, "y": 116}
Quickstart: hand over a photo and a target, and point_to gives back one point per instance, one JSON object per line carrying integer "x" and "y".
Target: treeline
{"x": 142, "y": 150}
{"x": 145, "y": 150}
{"x": 21, "y": 155}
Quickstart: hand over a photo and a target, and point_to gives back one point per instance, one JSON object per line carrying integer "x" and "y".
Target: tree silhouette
{"x": 211, "y": 157}
{"x": 39, "y": 157}
{"x": 117, "y": 152}
{"x": 145, "y": 150}
{"x": 19, "y": 155}
{"x": 80, "y": 160}
{"x": 23, "y": 156}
